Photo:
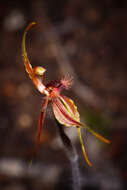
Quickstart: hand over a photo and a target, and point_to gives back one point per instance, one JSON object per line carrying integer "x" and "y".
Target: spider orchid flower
{"x": 63, "y": 107}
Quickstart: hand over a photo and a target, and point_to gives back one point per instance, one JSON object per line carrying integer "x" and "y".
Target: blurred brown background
{"x": 88, "y": 40}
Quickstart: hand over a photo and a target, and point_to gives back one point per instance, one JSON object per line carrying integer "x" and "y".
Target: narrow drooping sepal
{"x": 100, "y": 137}
{"x": 41, "y": 121}
{"x": 40, "y": 125}
{"x": 83, "y": 147}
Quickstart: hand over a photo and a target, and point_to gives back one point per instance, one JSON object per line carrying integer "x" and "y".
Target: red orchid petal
{"x": 63, "y": 119}
{"x": 70, "y": 106}
{"x": 41, "y": 122}
{"x": 64, "y": 113}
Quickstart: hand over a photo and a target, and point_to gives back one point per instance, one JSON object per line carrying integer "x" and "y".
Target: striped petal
{"x": 65, "y": 111}
{"x": 71, "y": 107}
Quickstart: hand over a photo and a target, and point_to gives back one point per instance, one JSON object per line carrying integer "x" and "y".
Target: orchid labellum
{"x": 63, "y": 107}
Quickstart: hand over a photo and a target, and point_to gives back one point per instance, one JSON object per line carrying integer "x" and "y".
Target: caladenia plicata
{"x": 64, "y": 109}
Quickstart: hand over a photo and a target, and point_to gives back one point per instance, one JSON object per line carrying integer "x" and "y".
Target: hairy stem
{"x": 73, "y": 157}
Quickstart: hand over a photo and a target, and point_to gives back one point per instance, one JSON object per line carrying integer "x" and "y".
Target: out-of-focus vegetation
{"x": 86, "y": 39}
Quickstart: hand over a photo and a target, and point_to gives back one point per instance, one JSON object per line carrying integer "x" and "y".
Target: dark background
{"x": 88, "y": 40}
